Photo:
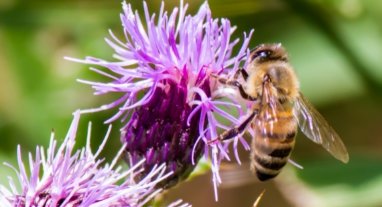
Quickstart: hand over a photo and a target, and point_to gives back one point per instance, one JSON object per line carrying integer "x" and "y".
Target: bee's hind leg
{"x": 233, "y": 132}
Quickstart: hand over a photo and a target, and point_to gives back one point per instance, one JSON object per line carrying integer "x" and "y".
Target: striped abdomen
{"x": 273, "y": 142}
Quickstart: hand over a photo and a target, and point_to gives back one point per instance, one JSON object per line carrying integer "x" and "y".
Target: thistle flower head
{"x": 61, "y": 176}
{"x": 170, "y": 100}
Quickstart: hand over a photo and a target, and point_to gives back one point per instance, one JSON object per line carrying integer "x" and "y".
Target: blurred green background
{"x": 334, "y": 45}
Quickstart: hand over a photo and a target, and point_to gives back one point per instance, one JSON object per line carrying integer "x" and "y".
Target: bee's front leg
{"x": 234, "y": 82}
{"x": 243, "y": 73}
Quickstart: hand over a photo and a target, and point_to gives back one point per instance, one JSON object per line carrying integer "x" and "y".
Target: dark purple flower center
{"x": 158, "y": 131}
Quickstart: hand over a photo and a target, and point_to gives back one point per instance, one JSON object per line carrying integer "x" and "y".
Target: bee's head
{"x": 268, "y": 52}
{"x": 269, "y": 64}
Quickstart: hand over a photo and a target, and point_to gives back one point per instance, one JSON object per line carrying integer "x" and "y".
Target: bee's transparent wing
{"x": 271, "y": 115}
{"x": 316, "y": 128}
{"x": 269, "y": 110}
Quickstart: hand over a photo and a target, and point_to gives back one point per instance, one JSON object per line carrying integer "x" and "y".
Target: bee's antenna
{"x": 249, "y": 51}
{"x": 254, "y": 49}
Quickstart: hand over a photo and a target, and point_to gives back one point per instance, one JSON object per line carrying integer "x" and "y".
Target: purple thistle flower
{"x": 172, "y": 103}
{"x": 62, "y": 177}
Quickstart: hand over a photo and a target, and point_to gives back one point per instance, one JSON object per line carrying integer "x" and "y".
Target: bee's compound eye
{"x": 264, "y": 53}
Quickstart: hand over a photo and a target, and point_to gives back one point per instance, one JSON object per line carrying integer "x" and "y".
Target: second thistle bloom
{"x": 163, "y": 73}
{"x": 63, "y": 176}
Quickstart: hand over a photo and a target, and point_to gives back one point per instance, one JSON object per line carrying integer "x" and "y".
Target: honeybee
{"x": 278, "y": 109}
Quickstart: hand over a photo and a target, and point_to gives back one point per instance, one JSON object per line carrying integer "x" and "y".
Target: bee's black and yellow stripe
{"x": 273, "y": 142}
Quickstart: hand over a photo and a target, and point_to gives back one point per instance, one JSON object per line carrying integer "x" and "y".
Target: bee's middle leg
{"x": 235, "y": 131}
